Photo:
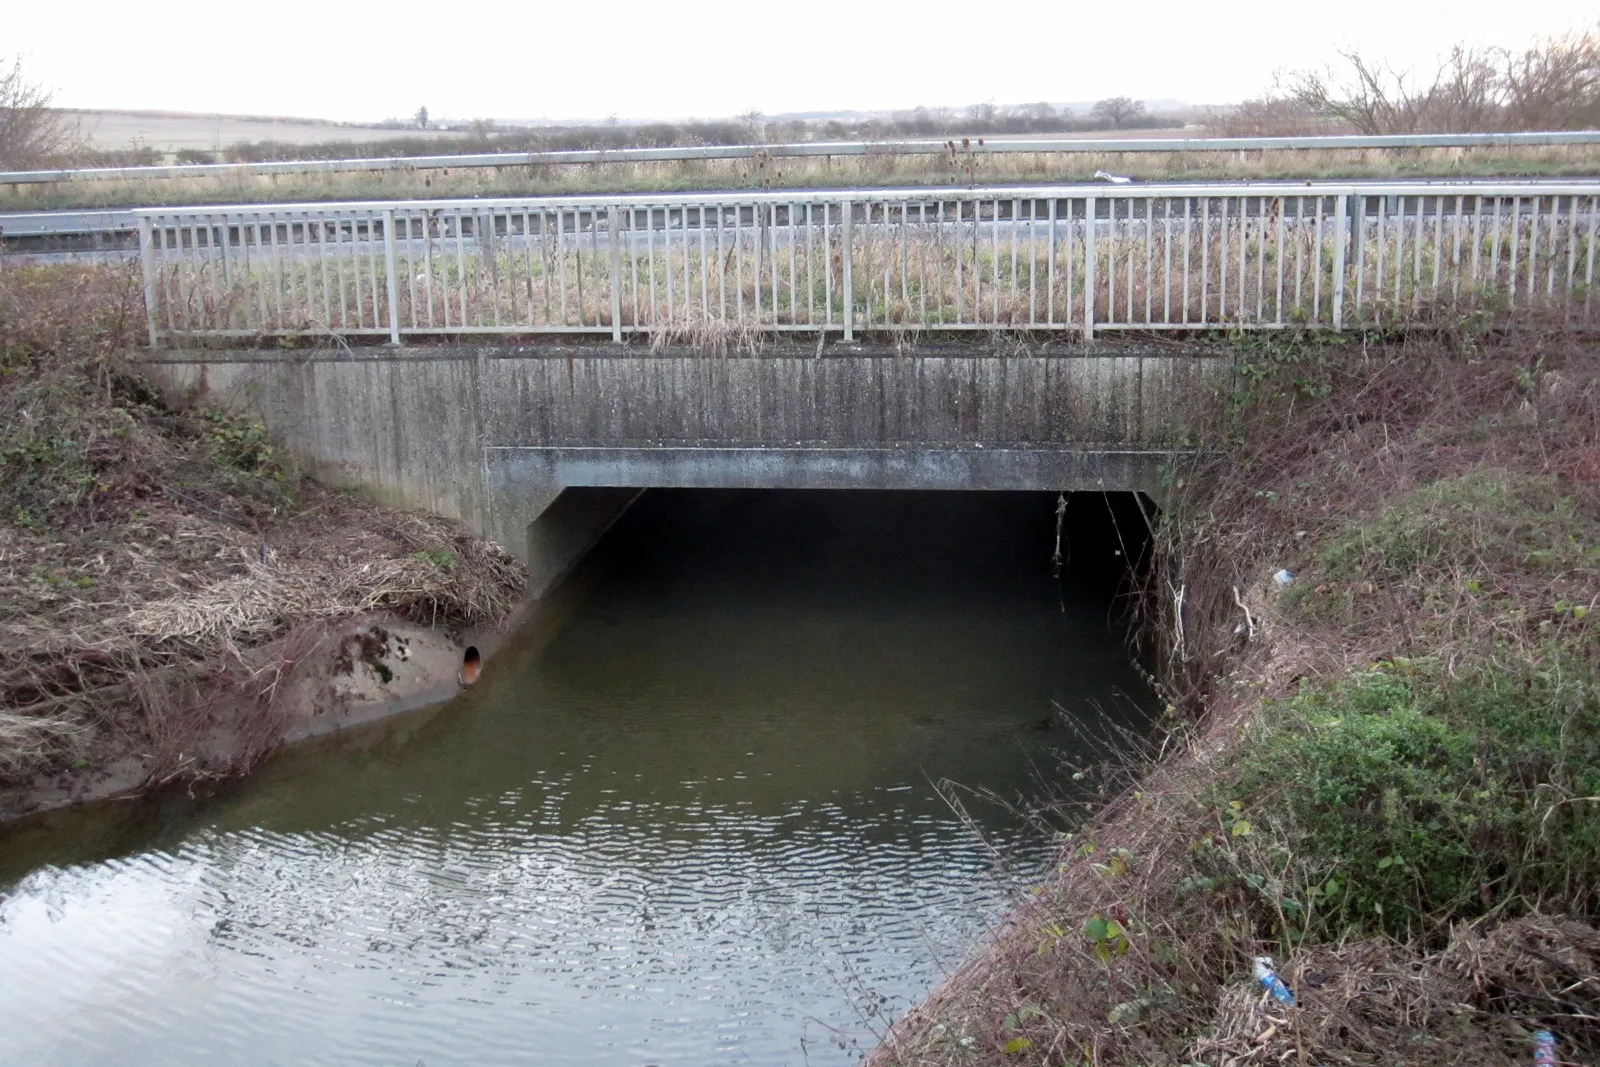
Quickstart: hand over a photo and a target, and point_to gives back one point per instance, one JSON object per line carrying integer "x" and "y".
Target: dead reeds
{"x": 164, "y": 566}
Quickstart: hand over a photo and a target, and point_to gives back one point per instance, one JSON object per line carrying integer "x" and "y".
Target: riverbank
{"x": 1383, "y": 772}
{"x": 176, "y": 597}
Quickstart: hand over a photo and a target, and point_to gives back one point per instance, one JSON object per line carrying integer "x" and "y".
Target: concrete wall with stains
{"x": 491, "y": 435}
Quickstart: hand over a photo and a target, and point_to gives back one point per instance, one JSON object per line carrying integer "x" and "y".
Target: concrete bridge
{"x": 540, "y": 447}
{"x": 546, "y": 359}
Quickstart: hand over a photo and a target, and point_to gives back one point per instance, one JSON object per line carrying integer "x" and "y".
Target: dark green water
{"x": 698, "y": 824}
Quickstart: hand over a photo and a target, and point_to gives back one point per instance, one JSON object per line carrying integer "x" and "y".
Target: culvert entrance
{"x": 762, "y": 777}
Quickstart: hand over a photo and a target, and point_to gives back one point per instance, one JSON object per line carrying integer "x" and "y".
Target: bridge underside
{"x": 594, "y": 486}
{"x": 540, "y": 448}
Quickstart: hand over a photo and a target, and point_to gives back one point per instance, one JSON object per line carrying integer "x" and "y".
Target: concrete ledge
{"x": 998, "y": 346}
{"x": 514, "y": 470}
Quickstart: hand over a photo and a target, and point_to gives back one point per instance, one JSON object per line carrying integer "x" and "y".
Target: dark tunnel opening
{"x": 767, "y": 570}
{"x": 870, "y": 546}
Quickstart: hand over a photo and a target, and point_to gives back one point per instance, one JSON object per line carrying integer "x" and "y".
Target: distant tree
{"x": 921, "y": 122}
{"x": 32, "y": 133}
{"x": 1371, "y": 97}
{"x": 1267, "y": 116}
{"x": 1553, "y": 84}
{"x": 421, "y": 118}
{"x": 984, "y": 112}
{"x": 1118, "y": 110}
{"x": 751, "y": 125}
{"x": 1041, "y": 110}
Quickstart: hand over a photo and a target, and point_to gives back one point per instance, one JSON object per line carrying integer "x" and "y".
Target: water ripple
{"x": 697, "y": 828}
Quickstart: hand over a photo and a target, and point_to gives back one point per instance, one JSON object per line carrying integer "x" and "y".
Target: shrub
{"x": 1404, "y": 798}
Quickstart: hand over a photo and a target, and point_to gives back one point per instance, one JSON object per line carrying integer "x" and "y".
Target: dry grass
{"x": 160, "y": 565}
{"x": 1376, "y": 1002}
{"x": 959, "y": 169}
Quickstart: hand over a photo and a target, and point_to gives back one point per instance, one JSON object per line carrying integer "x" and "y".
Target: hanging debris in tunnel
{"x": 1061, "y": 518}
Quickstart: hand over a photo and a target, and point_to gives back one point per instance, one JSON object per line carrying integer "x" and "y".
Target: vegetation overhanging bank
{"x": 1387, "y": 775}
{"x": 175, "y": 596}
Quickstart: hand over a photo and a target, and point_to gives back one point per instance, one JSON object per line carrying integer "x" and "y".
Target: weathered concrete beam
{"x": 513, "y": 471}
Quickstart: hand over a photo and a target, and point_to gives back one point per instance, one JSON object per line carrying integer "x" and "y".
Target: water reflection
{"x": 699, "y": 825}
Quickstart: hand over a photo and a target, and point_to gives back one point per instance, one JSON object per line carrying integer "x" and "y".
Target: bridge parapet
{"x": 726, "y": 270}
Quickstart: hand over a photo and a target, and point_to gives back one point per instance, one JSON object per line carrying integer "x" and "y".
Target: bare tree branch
{"x": 1554, "y": 84}
{"x": 32, "y": 133}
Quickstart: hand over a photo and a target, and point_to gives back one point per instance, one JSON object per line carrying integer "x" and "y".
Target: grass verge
{"x": 956, "y": 168}
{"x": 163, "y": 564}
{"x": 1389, "y": 779}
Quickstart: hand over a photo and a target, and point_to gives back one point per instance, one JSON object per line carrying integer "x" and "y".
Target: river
{"x": 701, "y": 815}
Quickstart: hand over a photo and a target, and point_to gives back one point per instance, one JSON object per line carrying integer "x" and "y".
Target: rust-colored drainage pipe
{"x": 471, "y": 663}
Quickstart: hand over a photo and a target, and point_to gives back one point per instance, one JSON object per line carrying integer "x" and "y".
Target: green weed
{"x": 1402, "y": 799}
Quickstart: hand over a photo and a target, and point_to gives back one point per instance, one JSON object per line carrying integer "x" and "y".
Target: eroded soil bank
{"x": 176, "y": 599}
{"x": 1381, "y": 772}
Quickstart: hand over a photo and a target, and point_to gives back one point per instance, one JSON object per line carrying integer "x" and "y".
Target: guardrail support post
{"x": 1088, "y": 268}
{"x": 147, "y": 267}
{"x": 389, "y": 273}
{"x": 615, "y": 222}
{"x": 1358, "y": 244}
{"x": 847, "y": 252}
{"x": 1340, "y": 236}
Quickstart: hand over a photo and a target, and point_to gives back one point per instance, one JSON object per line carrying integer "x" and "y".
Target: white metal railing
{"x": 815, "y": 149}
{"x": 719, "y": 267}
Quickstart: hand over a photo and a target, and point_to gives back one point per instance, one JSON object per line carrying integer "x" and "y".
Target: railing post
{"x": 1341, "y": 234}
{"x": 389, "y": 273}
{"x": 1358, "y": 244}
{"x": 615, "y": 222}
{"x": 847, "y": 252}
{"x": 1088, "y": 268}
{"x": 147, "y": 267}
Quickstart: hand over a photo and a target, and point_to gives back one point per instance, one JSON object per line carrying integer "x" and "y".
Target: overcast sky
{"x": 654, "y": 58}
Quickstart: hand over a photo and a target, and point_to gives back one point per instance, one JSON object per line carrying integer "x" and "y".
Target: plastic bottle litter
{"x": 1544, "y": 1048}
{"x": 1282, "y": 578}
{"x": 1271, "y": 982}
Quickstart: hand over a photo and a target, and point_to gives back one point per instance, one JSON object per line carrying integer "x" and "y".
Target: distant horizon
{"x": 1073, "y": 107}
